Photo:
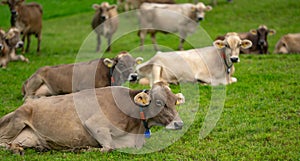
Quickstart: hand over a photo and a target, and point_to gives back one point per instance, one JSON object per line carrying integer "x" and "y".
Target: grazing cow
{"x": 210, "y": 65}
{"x": 258, "y": 37}
{"x": 289, "y": 43}
{"x": 105, "y": 22}
{"x": 68, "y": 78}
{"x": 108, "y": 118}
{"x": 135, "y": 4}
{"x": 14, "y": 41}
{"x": 170, "y": 18}
{"x": 27, "y": 18}
{"x": 4, "y": 50}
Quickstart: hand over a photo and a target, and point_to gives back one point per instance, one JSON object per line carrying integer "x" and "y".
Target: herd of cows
{"x": 98, "y": 112}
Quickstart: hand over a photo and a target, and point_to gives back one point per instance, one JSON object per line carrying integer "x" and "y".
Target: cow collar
{"x": 227, "y": 61}
{"x": 147, "y": 133}
{"x": 112, "y": 80}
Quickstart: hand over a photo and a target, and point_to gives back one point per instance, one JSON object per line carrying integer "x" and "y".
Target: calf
{"x": 210, "y": 65}
{"x": 105, "y": 118}
{"x": 105, "y": 22}
{"x": 289, "y": 43}
{"x": 170, "y": 18}
{"x": 27, "y": 18}
{"x": 258, "y": 37}
{"x": 68, "y": 78}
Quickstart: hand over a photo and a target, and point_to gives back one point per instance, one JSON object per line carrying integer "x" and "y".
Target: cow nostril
{"x": 13, "y": 12}
{"x": 102, "y": 18}
{"x": 234, "y": 59}
{"x": 200, "y": 18}
{"x": 178, "y": 125}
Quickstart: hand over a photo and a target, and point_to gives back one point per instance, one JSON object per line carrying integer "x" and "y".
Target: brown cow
{"x": 107, "y": 118}
{"x": 13, "y": 40}
{"x": 4, "y": 50}
{"x": 68, "y": 78}
{"x": 289, "y": 43}
{"x": 105, "y": 22}
{"x": 258, "y": 37}
{"x": 27, "y": 18}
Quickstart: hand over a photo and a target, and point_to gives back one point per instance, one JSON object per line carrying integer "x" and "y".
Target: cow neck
{"x": 227, "y": 61}
{"x": 112, "y": 80}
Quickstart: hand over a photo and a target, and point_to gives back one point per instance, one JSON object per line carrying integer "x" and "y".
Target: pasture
{"x": 260, "y": 119}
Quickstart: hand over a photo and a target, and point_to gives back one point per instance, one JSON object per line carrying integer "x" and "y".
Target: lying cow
{"x": 210, "y": 65}
{"x": 27, "y": 18}
{"x": 105, "y": 22}
{"x": 4, "y": 50}
{"x": 68, "y": 78}
{"x": 14, "y": 42}
{"x": 107, "y": 118}
{"x": 258, "y": 37}
{"x": 289, "y": 43}
{"x": 170, "y": 18}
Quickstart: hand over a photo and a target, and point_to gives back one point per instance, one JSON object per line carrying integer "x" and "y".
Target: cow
{"x": 28, "y": 19}
{"x": 105, "y": 22}
{"x": 209, "y": 65}
{"x": 14, "y": 42}
{"x": 169, "y": 18}
{"x": 101, "y": 119}
{"x": 4, "y": 50}
{"x": 135, "y": 4}
{"x": 289, "y": 43}
{"x": 68, "y": 78}
{"x": 215, "y": 2}
{"x": 258, "y": 37}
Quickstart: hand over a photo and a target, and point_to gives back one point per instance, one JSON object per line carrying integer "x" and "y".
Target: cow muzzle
{"x": 176, "y": 124}
{"x": 132, "y": 77}
{"x": 262, "y": 43}
{"x": 20, "y": 44}
{"x": 200, "y": 18}
{"x": 234, "y": 59}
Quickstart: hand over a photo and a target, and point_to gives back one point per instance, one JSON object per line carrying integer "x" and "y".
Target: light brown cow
{"x": 105, "y": 22}
{"x": 170, "y": 18}
{"x": 68, "y": 78}
{"x": 14, "y": 42}
{"x": 289, "y": 43}
{"x": 107, "y": 118}
{"x": 135, "y": 4}
{"x": 4, "y": 50}
{"x": 209, "y": 65}
{"x": 28, "y": 19}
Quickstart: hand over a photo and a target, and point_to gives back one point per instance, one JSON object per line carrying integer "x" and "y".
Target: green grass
{"x": 261, "y": 115}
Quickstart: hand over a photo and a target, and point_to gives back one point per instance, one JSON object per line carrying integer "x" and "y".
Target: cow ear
{"x": 9, "y": 35}
{"x": 272, "y": 32}
{"x": 112, "y": 7}
{"x": 96, "y": 6}
{"x": 108, "y": 62}
{"x": 208, "y": 8}
{"x": 253, "y": 32}
{"x": 142, "y": 99}
{"x": 193, "y": 8}
{"x": 219, "y": 44}
{"x": 139, "y": 60}
{"x": 4, "y": 2}
{"x": 180, "y": 99}
{"x": 246, "y": 44}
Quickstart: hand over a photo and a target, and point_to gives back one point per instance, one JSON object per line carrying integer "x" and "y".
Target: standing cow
{"x": 27, "y": 18}
{"x": 210, "y": 65}
{"x": 68, "y": 78}
{"x": 170, "y": 18}
{"x": 105, "y": 23}
{"x": 259, "y": 40}
{"x": 105, "y": 118}
{"x": 135, "y": 4}
{"x": 289, "y": 43}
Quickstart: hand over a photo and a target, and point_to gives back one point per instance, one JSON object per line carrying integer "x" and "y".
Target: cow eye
{"x": 226, "y": 45}
{"x": 159, "y": 103}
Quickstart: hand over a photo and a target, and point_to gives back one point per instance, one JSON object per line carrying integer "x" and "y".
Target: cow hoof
{"x": 106, "y": 149}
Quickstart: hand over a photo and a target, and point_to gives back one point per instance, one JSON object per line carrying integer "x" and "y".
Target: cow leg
{"x": 98, "y": 43}
{"x": 142, "y": 34}
{"x": 15, "y": 57}
{"x": 108, "y": 43}
{"x": 39, "y": 38}
{"x": 100, "y": 133}
{"x": 156, "y": 74}
{"x": 23, "y": 39}
{"x": 180, "y": 47}
{"x": 10, "y": 126}
{"x": 28, "y": 43}
{"x": 154, "y": 41}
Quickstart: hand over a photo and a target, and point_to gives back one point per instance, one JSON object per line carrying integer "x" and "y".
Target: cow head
{"x": 262, "y": 33}
{"x": 161, "y": 104}
{"x": 13, "y": 39}
{"x": 231, "y": 46}
{"x": 122, "y": 68}
{"x": 281, "y": 47}
{"x": 13, "y": 6}
{"x": 2, "y": 41}
{"x": 103, "y": 10}
{"x": 198, "y": 11}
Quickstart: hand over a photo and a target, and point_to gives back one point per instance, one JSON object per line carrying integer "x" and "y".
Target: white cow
{"x": 210, "y": 65}
{"x": 170, "y": 18}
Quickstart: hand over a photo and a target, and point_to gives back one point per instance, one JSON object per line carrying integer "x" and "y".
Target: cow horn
{"x": 142, "y": 99}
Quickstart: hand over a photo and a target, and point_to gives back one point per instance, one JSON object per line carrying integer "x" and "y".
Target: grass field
{"x": 261, "y": 116}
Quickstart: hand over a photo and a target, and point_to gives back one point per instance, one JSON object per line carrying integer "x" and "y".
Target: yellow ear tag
{"x": 177, "y": 102}
{"x": 139, "y": 61}
{"x": 109, "y": 65}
